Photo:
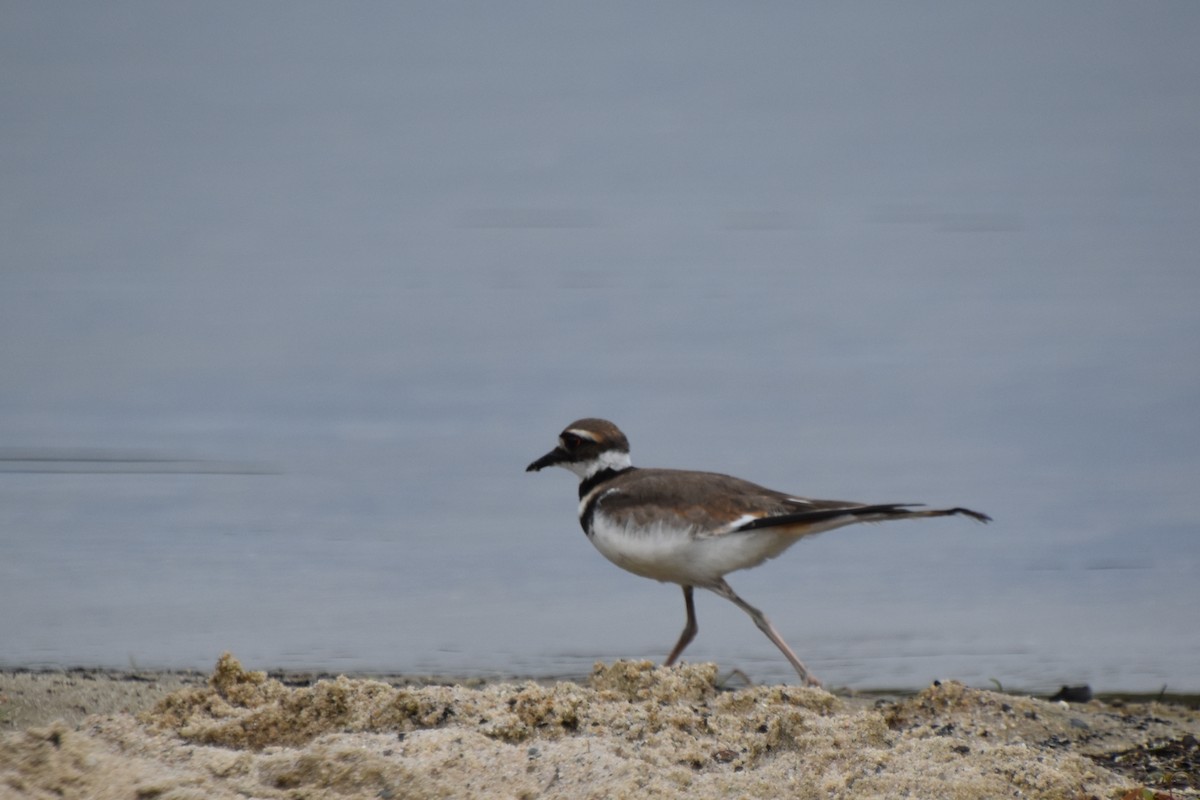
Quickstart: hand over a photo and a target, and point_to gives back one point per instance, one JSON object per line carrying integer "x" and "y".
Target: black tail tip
{"x": 975, "y": 515}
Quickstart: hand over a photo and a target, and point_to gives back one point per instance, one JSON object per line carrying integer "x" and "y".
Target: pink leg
{"x": 689, "y": 630}
{"x": 722, "y": 588}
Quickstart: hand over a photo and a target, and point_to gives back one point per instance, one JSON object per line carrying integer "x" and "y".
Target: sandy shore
{"x": 632, "y": 730}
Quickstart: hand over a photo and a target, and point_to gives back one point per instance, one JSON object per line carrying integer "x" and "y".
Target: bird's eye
{"x": 571, "y": 440}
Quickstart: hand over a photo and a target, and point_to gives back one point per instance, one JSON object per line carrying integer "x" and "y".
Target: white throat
{"x": 609, "y": 459}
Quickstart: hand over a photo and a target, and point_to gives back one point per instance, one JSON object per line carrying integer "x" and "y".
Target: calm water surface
{"x": 288, "y": 303}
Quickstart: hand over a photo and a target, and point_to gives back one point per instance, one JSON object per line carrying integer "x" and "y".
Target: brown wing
{"x": 716, "y": 503}
{"x": 708, "y": 501}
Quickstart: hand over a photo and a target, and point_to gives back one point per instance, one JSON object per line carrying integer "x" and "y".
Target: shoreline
{"x": 31, "y": 696}
{"x": 628, "y": 728}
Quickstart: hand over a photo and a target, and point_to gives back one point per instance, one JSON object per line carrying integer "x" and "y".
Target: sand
{"x": 633, "y": 730}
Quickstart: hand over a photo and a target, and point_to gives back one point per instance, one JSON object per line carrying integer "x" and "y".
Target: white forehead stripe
{"x": 584, "y": 434}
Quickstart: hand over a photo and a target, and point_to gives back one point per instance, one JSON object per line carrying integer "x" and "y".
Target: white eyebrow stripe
{"x": 584, "y": 434}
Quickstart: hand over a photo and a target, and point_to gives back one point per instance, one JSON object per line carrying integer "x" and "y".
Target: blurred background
{"x": 291, "y": 293}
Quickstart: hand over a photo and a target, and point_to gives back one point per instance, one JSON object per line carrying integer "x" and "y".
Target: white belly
{"x": 678, "y": 555}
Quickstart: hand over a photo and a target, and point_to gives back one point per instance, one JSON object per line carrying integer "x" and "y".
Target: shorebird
{"x": 693, "y": 528}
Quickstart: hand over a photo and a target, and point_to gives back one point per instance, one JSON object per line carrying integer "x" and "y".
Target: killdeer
{"x": 693, "y": 528}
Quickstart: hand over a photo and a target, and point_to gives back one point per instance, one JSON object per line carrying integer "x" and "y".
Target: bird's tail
{"x": 914, "y": 510}
{"x": 821, "y": 518}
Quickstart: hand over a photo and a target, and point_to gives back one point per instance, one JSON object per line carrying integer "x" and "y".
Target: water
{"x": 345, "y": 278}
